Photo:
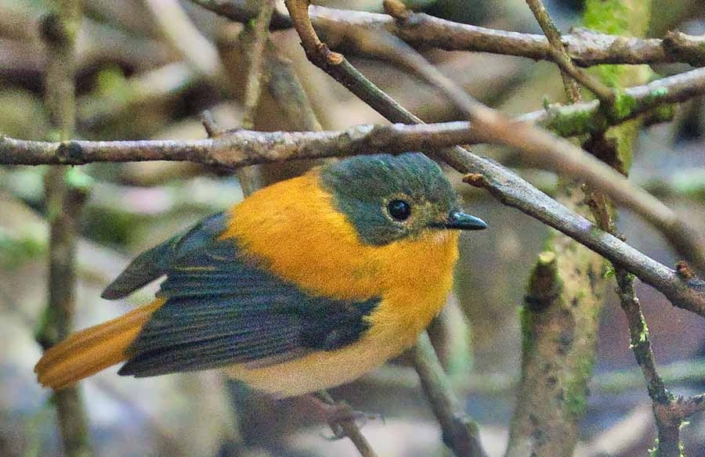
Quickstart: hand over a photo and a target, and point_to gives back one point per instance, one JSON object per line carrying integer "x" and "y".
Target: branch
{"x": 460, "y": 433}
{"x": 586, "y": 48}
{"x": 241, "y": 147}
{"x": 569, "y": 72}
{"x": 64, "y": 201}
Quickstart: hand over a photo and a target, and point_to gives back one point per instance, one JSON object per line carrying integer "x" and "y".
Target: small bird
{"x": 305, "y": 285}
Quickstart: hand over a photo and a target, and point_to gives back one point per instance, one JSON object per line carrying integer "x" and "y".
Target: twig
{"x": 64, "y": 200}
{"x": 254, "y": 38}
{"x": 287, "y": 90}
{"x": 563, "y": 59}
{"x": 668, "y": 428}
{"x": 585, "y": 47}
{"x": 559, "y": 319}
{"x": 460, "y": 433}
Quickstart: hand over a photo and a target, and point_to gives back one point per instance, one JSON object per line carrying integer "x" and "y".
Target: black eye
{"x": 399, "y": 209}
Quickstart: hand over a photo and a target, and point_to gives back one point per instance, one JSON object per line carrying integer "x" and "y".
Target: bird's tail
{"x": 89, "y": 351}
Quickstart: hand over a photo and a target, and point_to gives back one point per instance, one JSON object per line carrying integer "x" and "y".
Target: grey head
{"x": 389, "y": 198}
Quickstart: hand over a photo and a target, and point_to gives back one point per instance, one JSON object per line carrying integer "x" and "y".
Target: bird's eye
{"x": 399, "y": 209}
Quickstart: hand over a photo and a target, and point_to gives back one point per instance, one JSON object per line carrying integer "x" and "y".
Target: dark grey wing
{"x": 154, "y": 263}
{"x": 223, "y": 309}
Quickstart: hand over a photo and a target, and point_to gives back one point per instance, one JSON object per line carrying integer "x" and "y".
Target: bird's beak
{"x": 459, "y": 220}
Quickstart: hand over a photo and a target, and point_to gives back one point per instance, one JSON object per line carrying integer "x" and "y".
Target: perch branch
{"x": 460, "y": 433}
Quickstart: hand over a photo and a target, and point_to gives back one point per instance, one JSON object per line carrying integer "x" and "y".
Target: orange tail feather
{"x": 89, "y": 351}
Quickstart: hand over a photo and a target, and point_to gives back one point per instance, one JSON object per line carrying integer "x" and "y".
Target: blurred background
{"x": 136, "y": 81}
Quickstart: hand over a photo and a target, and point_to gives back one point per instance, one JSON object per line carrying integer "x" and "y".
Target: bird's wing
{"x": 155, "y": 262}
{"x": 222, "y": 309}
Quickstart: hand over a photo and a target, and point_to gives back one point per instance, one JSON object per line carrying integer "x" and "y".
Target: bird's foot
{"x": 339, "y": 415}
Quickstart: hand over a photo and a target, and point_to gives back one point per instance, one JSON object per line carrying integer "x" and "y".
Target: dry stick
{"x": 63, "y": 201}
{"x": 183, "y": 36}
{"x": 586, "y": 48}
{"x": 255, "y": 57}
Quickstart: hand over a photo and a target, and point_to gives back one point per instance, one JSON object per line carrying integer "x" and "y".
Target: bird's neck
{"x": 294, "y": 229}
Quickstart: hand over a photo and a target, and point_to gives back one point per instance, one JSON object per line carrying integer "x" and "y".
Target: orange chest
{"x": 293, "y": 228}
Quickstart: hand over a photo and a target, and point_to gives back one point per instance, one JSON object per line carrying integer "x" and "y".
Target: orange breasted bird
{"x": 304, "y": 285}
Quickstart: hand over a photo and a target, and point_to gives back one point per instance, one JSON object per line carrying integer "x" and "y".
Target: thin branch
{"x": 255, "y": 56}
{"x": 460, "y": 433}
{"x": 569, "y": 72}
{"x": 253, "y": 38}
{"x": 586, "y": 48}
{"x": 64, "y": 201}
{"x": 639, "y": 337}
{"x": 667, "y": 423}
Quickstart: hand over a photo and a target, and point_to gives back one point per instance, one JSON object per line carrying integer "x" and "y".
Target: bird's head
{"x": 389, "y": 198}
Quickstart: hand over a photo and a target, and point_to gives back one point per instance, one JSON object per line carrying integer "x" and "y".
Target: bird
{"x": 304, "y": 285}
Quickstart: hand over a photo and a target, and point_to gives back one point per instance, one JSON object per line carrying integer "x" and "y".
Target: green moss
{"x": 611, "y": 75}
{"x": 575, "y": 388}
{"x": 77, "y": 179}
{"x": 527, "y": 319}
{"x": 618, "y": 17}
{"x": 607, "y": 16}
{"x": 623, "y": 106}
{"x": 575, "y": 122}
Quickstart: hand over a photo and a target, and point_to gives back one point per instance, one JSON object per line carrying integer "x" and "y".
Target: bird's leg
{"x": 339, "y": 414}
{"x": 316, "y": 50}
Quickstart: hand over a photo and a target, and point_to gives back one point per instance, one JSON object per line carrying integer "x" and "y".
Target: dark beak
{"x": 458, "y": 220}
